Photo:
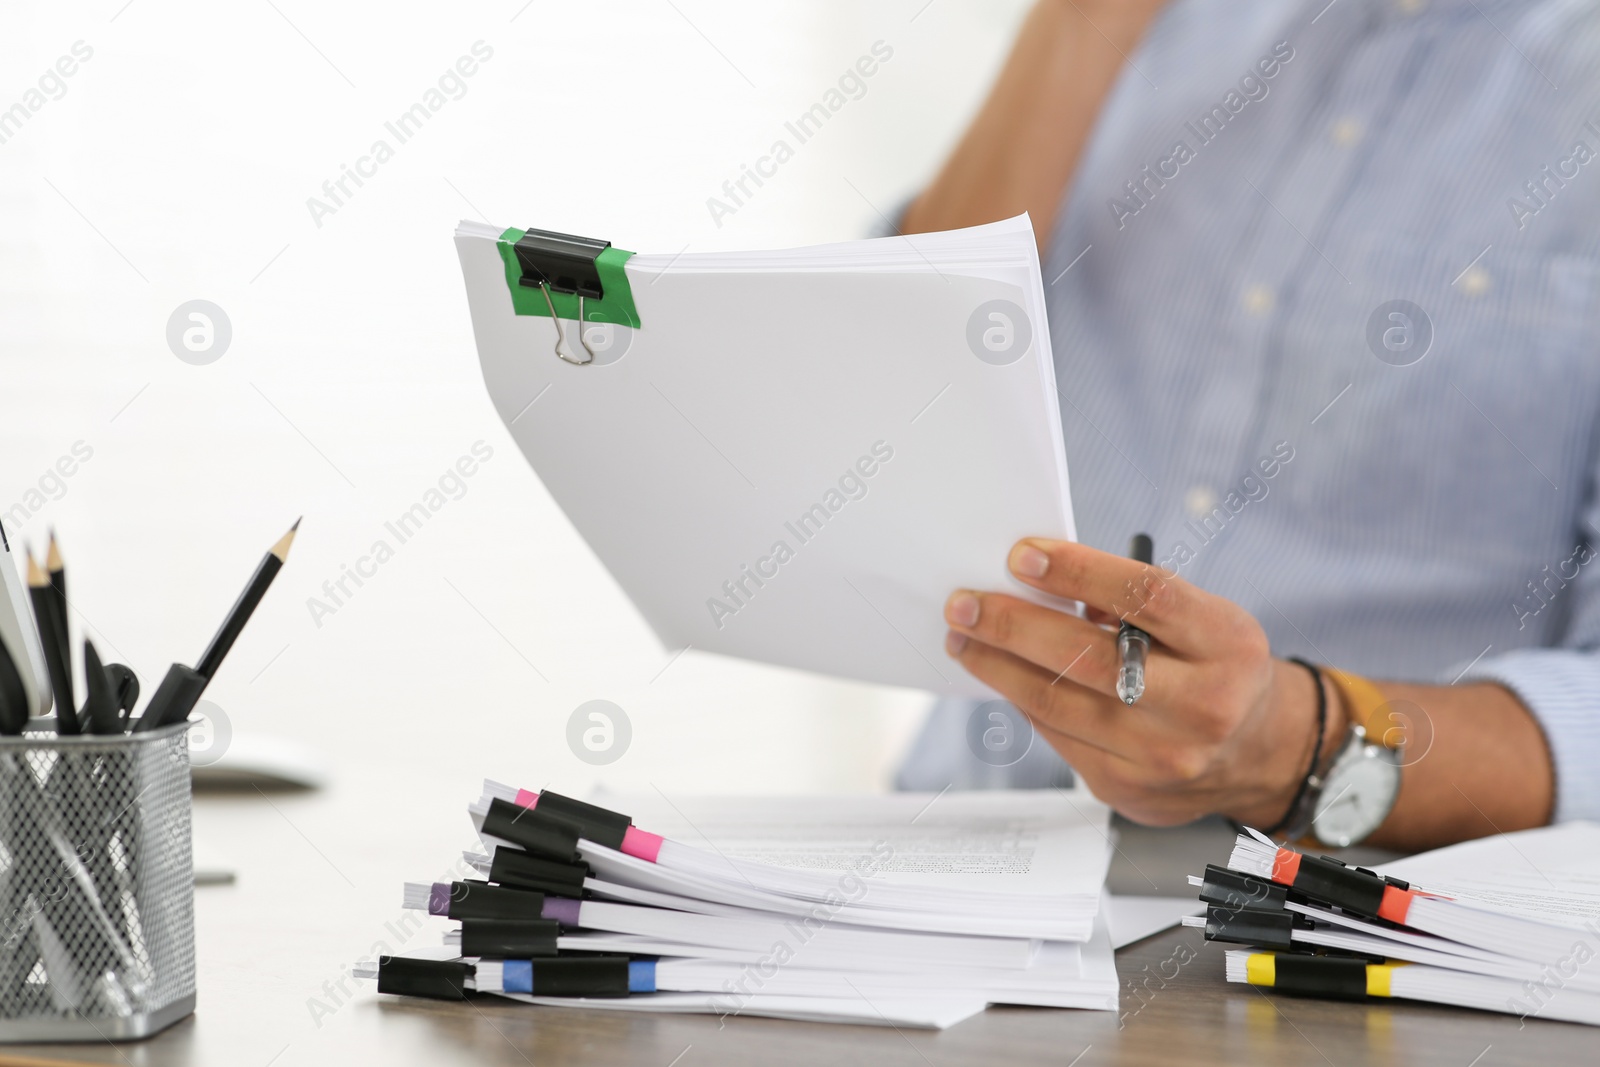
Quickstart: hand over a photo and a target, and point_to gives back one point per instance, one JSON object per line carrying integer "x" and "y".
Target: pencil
{"x": 58, "y": 582}
{"x": 268, "y": 569}
{"x": 57, "y": 658}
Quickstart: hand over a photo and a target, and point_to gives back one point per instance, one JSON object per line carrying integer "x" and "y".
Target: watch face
{"x": 1360, "y": 791}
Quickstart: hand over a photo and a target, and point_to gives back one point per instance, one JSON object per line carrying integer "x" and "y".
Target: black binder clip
{"x": 438, "y": 979}
{"x": 562, "y": 263}
{"x": 533, "y": 830}
{"x": 1268, "y": 927}
{"x": 510, "y": 939}
{"x": 514, "y": 867}
{"x": 1235, "y": 889}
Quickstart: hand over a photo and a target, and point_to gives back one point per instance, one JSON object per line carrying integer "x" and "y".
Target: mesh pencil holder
{"x": 96, "y": 884}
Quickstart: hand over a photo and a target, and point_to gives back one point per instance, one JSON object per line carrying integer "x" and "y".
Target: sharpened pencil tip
{"x": 281, "y": 549}
{"x": 52, "y": 556}
{"x": 37, "y": 578}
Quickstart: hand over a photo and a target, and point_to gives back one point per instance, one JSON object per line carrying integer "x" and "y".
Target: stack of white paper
{"x": 915, "y": 910}
{"x": 799, "y": 454}
{"x": 997, "y": 864}
{"x": 1509, "y": 923}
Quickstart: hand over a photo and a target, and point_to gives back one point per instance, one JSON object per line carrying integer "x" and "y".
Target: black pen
{"x": 1133, "y": 644}
{"x": 101, "y": 712}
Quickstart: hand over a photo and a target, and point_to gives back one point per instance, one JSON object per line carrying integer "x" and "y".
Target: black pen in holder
{"x": 174, "y": 698}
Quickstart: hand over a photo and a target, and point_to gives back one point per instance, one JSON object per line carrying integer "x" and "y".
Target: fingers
{"x": 1169, "y": 738}
{"x": 1177, "y": 614}
{"x": 1093, "y": 735}
{"x": 1100, "y": 617}
{"x": 1065, "y": 707}
{"x": 1067, "y": 647}
{"x": 1124, "y": 784}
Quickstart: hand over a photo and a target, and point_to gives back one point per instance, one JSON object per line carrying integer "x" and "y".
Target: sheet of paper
{"x": 1339, "y": 931}
{"x": 799, "y": 465}
{"x": 1134, "y": 918}
{"x": 1062, "y": 976}
{"x": 807, "y": 956}
{"x": 929, "y": 1013}
{"x": 1551, "y": 874}
{"x": 762, "y": 932}
{"x": 717, "y": 897}
{"x": 1031, "y": 848}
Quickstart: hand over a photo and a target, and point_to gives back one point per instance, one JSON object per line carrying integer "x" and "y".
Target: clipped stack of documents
{"x": 1508, "y": 923}
{"x": 789, "y": 456}
{"x": 904, "y": 910}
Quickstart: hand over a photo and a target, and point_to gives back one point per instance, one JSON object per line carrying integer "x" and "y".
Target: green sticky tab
{"x": 616, "y": 307}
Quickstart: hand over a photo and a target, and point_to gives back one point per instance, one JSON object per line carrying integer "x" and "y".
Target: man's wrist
{"x": 1291, "y": 751}
{"x": 1338, "y": 723}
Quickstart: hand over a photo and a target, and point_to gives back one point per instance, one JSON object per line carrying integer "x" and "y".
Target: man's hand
{"x": 1222, "y": 726}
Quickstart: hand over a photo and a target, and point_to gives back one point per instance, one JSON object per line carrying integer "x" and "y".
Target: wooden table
{"x": 319, "y": 886}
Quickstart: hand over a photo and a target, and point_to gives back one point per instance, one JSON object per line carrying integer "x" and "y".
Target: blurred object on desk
{"x": 246, "y": 762}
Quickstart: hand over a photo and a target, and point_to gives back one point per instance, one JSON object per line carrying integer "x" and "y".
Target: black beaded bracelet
{"x": 1316, "y": 746}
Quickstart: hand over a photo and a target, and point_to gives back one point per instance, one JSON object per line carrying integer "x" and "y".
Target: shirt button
{"x": 1476, "y": 282}
{"x": 1410, "y": 7}
{"x": 1346, "y": 132}
{"x": 1200, "y": 501}
{"x": 1258, "y": 300}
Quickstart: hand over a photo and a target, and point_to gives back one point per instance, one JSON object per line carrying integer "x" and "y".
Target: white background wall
{"x": 177, "y": 165}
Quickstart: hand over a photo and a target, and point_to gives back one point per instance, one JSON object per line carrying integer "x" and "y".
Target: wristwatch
{"x": 1352, "y": 792}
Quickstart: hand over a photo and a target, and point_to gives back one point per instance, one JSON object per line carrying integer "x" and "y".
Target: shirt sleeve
{"x": 1560, "y": 684}
{"x": 1562, "y": 689}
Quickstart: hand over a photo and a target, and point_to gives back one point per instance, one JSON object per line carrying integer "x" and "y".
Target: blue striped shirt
{"x": 1358, "y": 244}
